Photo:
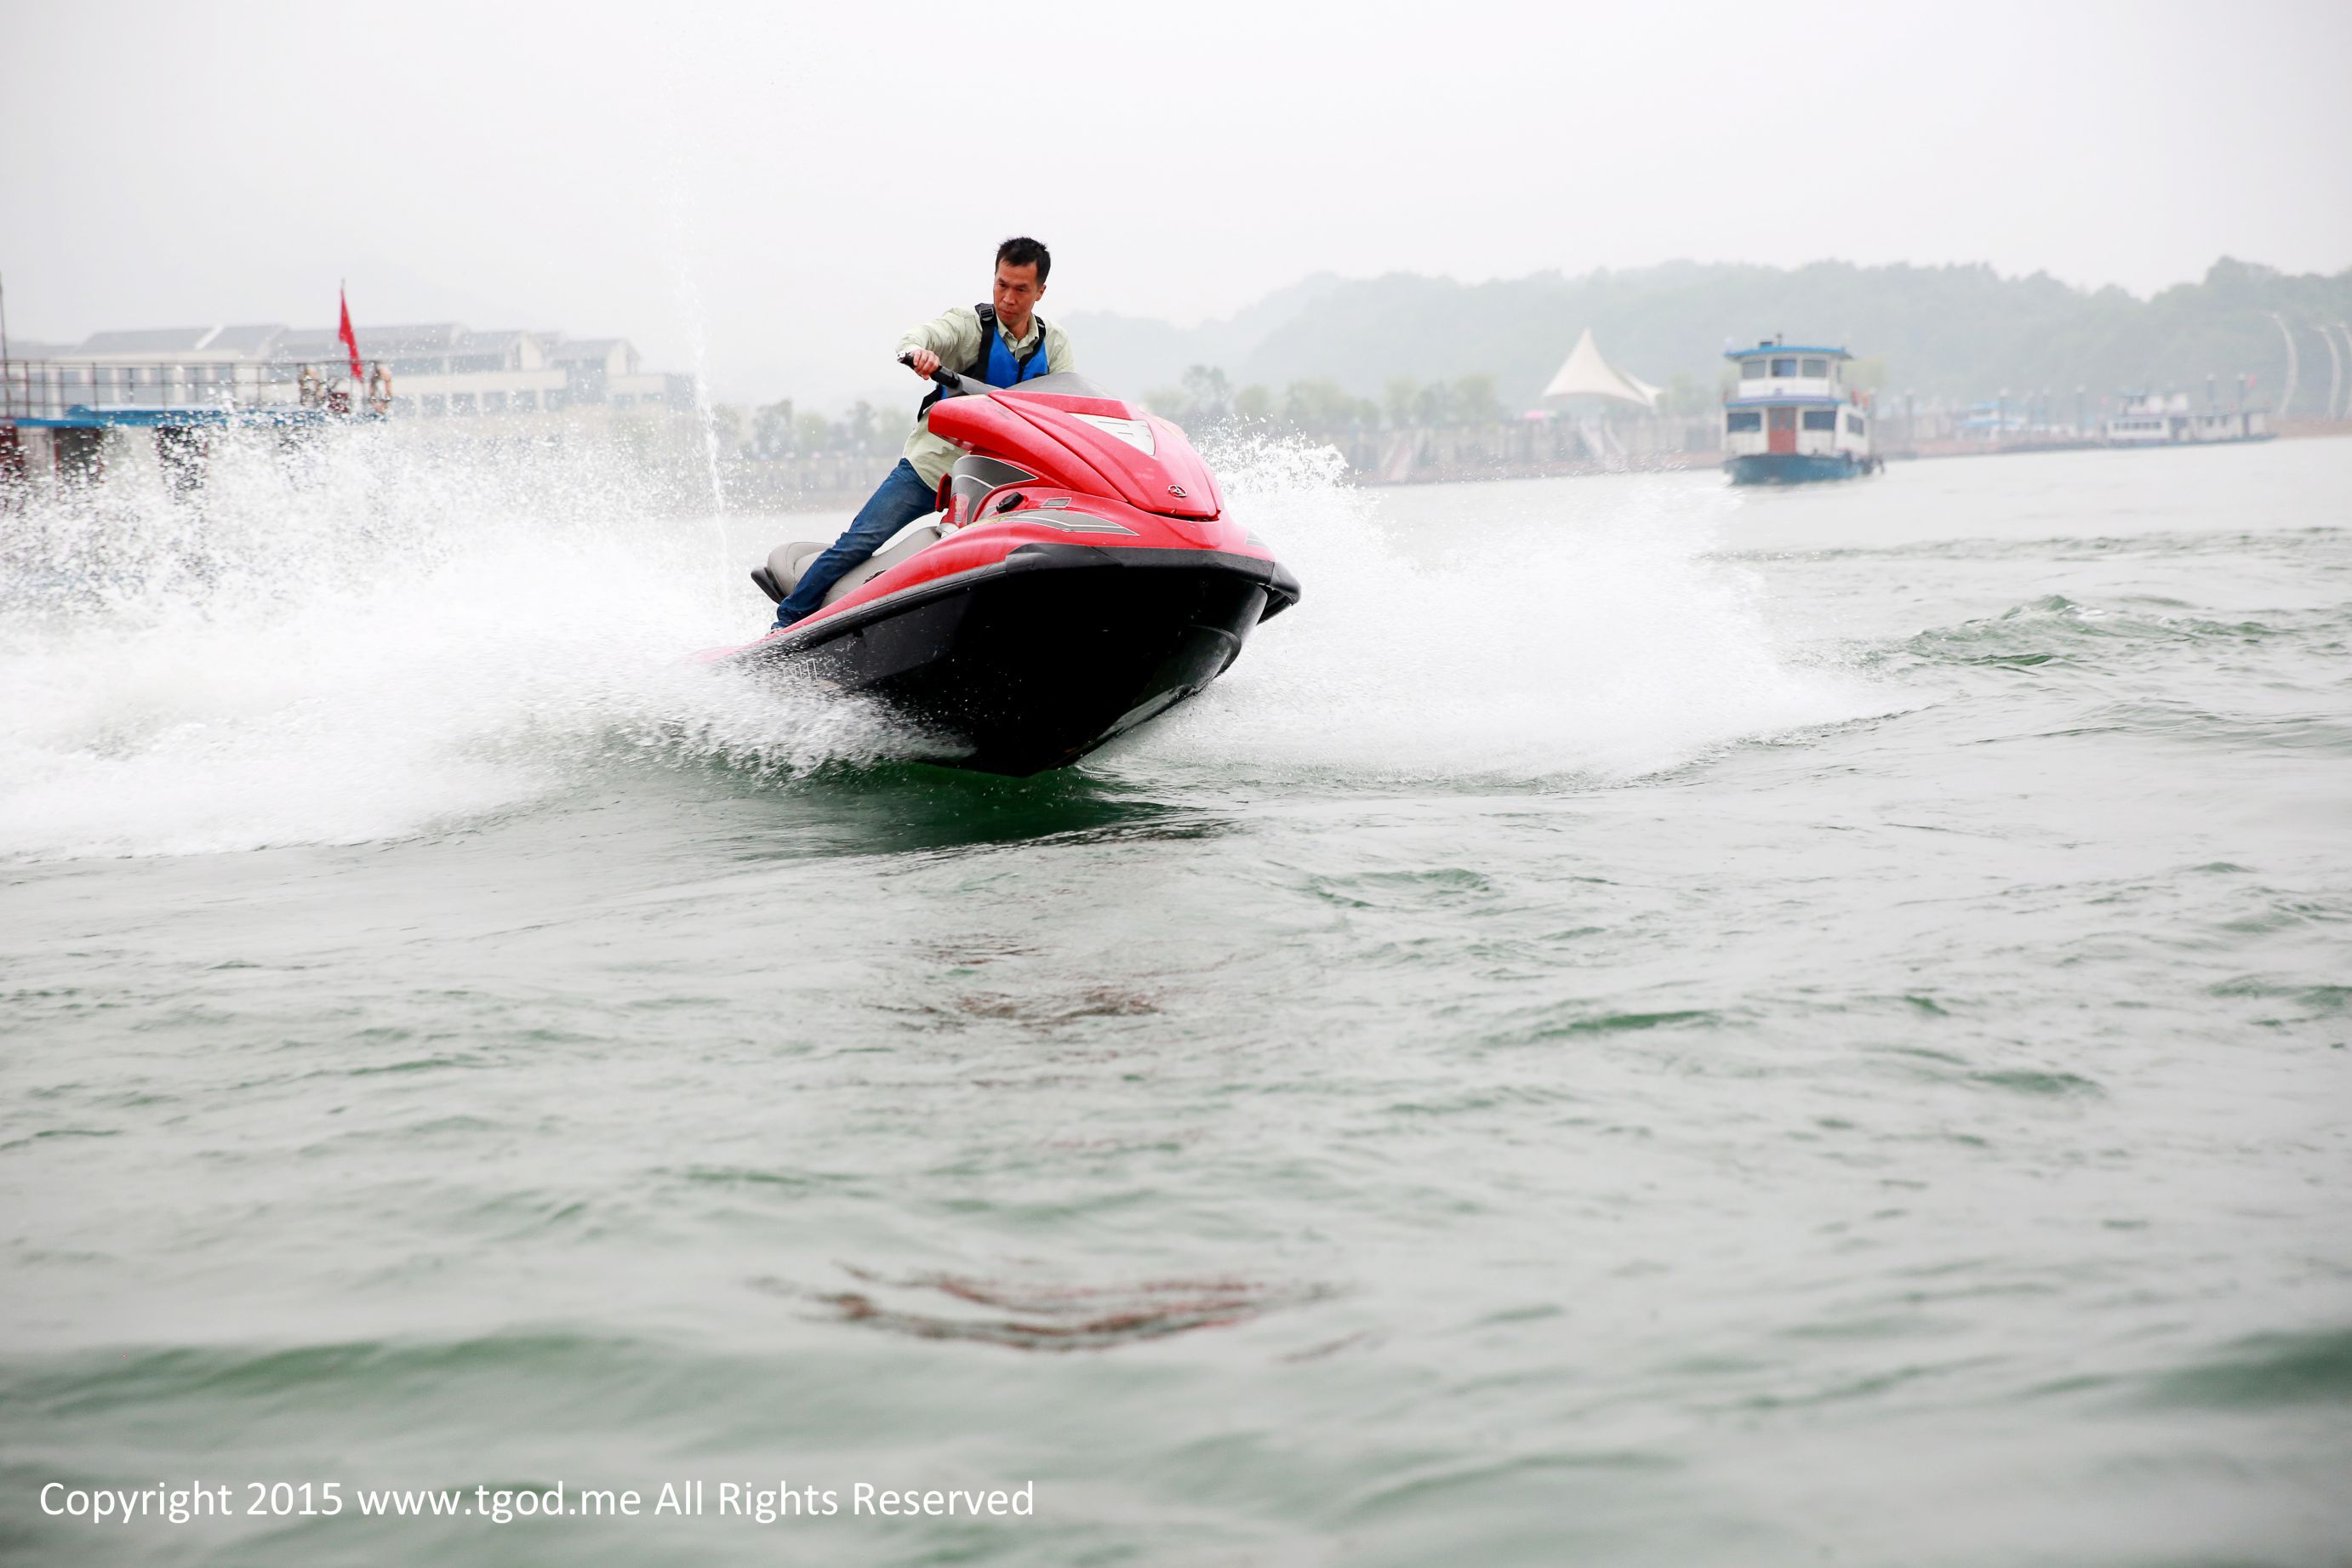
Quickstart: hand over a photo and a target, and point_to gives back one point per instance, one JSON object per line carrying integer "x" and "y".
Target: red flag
{"x": 350, "y": 338}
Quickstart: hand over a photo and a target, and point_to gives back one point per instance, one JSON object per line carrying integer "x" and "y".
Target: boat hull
{"x": 1795, "y": 468}
{"x": 1030, "y": 662}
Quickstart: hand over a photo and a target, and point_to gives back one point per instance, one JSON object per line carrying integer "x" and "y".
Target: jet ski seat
{"x": 786, "y": 562}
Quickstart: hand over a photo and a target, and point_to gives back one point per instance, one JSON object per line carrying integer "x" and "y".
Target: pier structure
{"x": 70, "y": 406}
{"x": 59, "y": 394}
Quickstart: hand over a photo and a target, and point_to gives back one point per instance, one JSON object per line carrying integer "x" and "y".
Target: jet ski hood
{"x": 1066, "y": 428}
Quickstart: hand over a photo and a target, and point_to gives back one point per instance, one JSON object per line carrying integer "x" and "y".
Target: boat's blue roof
{"x": 1783, "y": 348}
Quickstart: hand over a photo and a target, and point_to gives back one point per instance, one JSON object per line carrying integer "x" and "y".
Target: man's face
{"x": 1017, "y": 292}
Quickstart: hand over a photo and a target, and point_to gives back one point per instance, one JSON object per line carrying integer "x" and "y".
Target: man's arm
{"x": 1057, "y": 350}
{"x": 953, "y": 338}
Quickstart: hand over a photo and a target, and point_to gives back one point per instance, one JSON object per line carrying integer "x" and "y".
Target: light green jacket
{"x": 955, "y": 338}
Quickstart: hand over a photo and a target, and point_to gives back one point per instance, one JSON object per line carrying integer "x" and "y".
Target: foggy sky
{"x": 770, "y": 193}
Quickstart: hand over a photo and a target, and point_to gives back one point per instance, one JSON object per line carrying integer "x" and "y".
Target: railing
{"x": 59, "y": 389}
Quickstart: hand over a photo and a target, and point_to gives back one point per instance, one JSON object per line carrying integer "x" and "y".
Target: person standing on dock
{"x": 1003, "y": 343}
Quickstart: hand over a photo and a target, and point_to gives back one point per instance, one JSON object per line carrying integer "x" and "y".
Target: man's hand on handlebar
{"x": 925, "y": 363}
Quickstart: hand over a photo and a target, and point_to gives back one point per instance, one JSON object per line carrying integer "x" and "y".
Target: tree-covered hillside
{"x": 1952, "y": 333}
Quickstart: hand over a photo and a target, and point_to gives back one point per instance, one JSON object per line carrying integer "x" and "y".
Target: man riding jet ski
{"x": 1002, "y": 341}
{"x": 1081, "y": 579}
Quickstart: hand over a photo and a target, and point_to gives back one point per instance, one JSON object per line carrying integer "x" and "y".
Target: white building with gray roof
{"x": 437, "y": 369}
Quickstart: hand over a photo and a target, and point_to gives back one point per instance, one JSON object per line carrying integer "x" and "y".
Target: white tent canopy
{"x": 1587, "y": 375}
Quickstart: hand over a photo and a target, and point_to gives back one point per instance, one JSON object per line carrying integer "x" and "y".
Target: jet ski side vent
{"x": 1070, "y": 522}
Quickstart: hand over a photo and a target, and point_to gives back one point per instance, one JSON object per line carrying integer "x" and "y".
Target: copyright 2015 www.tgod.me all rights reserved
{"x": 164, "y": 1503}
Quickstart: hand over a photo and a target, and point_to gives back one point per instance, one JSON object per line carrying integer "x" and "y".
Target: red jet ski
{"x": 1081, "y": 578}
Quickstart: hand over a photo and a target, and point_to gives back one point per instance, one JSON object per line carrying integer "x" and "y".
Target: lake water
{"x": 1642, "y": 1023}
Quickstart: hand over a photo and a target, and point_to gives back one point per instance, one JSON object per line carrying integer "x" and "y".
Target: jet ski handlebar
{"x": 952, "y": 384}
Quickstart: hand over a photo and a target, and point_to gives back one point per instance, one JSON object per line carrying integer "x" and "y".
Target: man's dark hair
{"x": 1023, "y": 251}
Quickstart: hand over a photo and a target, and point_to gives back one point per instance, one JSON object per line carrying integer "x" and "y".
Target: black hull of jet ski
{"x": 1030, "y": 662}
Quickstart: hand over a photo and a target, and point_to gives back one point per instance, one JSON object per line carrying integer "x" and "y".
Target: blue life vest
{"x": 998, "y": 366}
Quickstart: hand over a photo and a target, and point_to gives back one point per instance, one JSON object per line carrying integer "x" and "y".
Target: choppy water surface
{"x": 1644, "y": 1024}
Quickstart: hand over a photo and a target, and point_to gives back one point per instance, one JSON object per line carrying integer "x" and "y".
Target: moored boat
{"x": 2165, "y": 419}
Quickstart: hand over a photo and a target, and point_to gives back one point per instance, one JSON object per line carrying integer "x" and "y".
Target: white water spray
{"x": 1499, "y": 631}
{"x": 372, "y": 637}
{"x": 365, "y": 639}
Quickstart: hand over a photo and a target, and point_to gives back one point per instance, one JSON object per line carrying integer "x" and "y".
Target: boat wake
{"x": 1497, "y": 632}
{"x": 372, "y": 640}
{"x": 372, "y": 643}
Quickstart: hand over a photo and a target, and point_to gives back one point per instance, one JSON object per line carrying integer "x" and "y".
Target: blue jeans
{"x": 900, "y": 500}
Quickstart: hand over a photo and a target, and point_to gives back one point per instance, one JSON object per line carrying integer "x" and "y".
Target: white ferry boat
{"x": 1793, "y": 420}
{"x": 2158, "y": 419}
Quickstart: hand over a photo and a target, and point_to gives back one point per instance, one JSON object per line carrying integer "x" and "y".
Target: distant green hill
{"x": 1955, "y": 333}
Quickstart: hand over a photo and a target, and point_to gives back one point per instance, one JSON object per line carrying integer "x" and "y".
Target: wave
{"x": 2046, "y": 628}
{"x": 366, "y": 638}
{"x": 1499, "y": 631}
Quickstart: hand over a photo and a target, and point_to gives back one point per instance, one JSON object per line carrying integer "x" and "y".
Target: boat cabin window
{"x": 1820, "y": 419}
{"x": 1751, "y": 370}
{"x": 1854, "y": 424}
{"x": 1784, "y": 367}
{"x": 1744, "y": 418}
{"x": 1817, "y": 367}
